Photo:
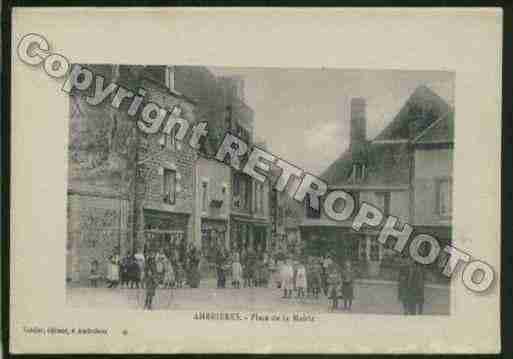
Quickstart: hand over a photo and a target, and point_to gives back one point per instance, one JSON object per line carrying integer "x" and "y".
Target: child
{"x": 169, "y": 275}
{"x": 333, "y": 283}
{"x": 301, "y": 280}
{"x": 151, "y": 285}
{"x": 180, "y": 275}
{"x": 314, "y": 279}
{"x": 123, "y": 271}
{"x": 133, "y": 273}
{"x": 160, "y": 259}
{"x": 287, "y": 278}
{"x": 93, "y": 275}
{"x": 347, "y": 285}
{"x": 236, "y": 271}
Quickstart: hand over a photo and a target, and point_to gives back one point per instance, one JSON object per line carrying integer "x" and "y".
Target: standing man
{"x": 416, "y": 289}
{"x": 402, "y": 284}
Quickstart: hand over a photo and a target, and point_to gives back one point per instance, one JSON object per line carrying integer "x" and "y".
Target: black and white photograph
{"x": 253, "y": 180}
{"x": 154, "y": 224}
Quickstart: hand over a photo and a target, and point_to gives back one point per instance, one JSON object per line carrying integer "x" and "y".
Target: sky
{"x": 303, "y": 114}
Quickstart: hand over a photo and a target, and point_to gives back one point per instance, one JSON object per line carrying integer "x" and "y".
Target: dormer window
{"x": 359, "y": 172}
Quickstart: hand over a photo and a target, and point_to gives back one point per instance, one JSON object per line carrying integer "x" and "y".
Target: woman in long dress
{"x": 236, "y": 271}
{"x": 287, "y": 278}
{"x": 113, "y": 271}
{"x": 300, "y": 280}
{"x": 141, "y": 262}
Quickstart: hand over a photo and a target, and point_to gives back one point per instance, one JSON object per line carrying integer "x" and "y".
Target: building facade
{"x": 126, "y": 189}
{"x": 213, "y": 189}
{"x": 164, "y": 188}
{"x": 381, "y": 172}
{"x": 139, "y": 191}
{"x": 433, "y": 178}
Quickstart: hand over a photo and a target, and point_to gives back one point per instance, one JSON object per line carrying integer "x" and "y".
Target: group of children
{"x": 310, "y": 276}
{"x": 250, "y": 269}
{"x": 130, "y": 271}
{"x": 303, "y": 276}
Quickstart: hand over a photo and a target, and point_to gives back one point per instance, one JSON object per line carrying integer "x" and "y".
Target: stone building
{"x": 164, "y": 193}
{"x": 125, "y": 188}
{"x": 213, "y": 204}
{"x": 383, "y": 172}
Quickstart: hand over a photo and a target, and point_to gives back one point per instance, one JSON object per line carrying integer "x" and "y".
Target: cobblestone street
{"x": 370, "y": 297}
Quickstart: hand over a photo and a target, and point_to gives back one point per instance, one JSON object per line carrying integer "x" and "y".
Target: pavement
{"x": 372, "y": 297}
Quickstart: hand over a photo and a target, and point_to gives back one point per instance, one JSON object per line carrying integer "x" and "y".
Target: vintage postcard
{"x": 184, "y": 181}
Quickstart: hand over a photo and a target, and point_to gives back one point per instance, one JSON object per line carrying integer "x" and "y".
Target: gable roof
{"x": 409, "y": 119}
{"x": 442, "y": 131}
{"x": 386, "y": 157}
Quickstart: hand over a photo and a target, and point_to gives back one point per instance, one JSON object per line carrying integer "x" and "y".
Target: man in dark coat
{"x": 415, "y": 291}
{"x": 251, "y": 263}
{"x": 402, "y": 283}
{"x": 193, "y": 259}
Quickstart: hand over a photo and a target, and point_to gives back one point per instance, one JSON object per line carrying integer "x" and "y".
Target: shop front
{"x": 344, "y": 244}
{"x": 165, "y": 230}
{"x": 213, "y": 236}
{"x": 260, "y": 235}
{"x": 241, "y": 234}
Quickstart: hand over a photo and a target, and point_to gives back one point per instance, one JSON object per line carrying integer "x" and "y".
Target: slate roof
{"x": 399, "y": 127}
{"x": 386, "y": 158}
{"x": 442, "y": 131}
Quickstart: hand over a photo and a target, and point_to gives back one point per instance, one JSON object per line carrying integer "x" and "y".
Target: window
{"x": 311, "y": 212}
{"x": 259, "y": 198}
{"x": 262, "y": 198}
{"x": 444, "y": 197}
{"x": 228, "y": 117}
{"x": 359, "y": 172}
{"x": 362, "y": 249}
{"x": 374, "y": 250}
{"x": 236, "y": 185}
{"x": 204, "y": 196}
{"x": 169, "y": 186}
{"x": 170, "y": 77}
{"x": 168, "y": 140}
{"x": 246, "y": 193}
{"x": 383, "y": 202}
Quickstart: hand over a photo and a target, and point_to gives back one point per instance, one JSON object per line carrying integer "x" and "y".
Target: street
{"x": 371, "y": 298}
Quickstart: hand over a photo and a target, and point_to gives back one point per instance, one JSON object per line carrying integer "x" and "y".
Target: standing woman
{"x": 141, "y": 262}
{"x": 348, "y": 275}
{"x": 113, "y": 270}
{"x": 266, "y": 272}
{"x": 236, "y": 271}
{"x": 287, "y": 278}
{"x": 301, "y": 279}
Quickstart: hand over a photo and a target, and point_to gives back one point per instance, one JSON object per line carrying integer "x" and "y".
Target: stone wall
{"x": 97, "y": 227}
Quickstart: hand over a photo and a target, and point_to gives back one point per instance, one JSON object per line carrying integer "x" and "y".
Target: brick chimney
{"x": 358, "y": 124}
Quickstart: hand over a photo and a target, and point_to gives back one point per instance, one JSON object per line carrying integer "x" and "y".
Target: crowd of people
{"x": 304, "y": 275}
{"x": 170, "y": 268}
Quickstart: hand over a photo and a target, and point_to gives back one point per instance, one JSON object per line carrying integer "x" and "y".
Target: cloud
{"x": 323, "y": 144}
